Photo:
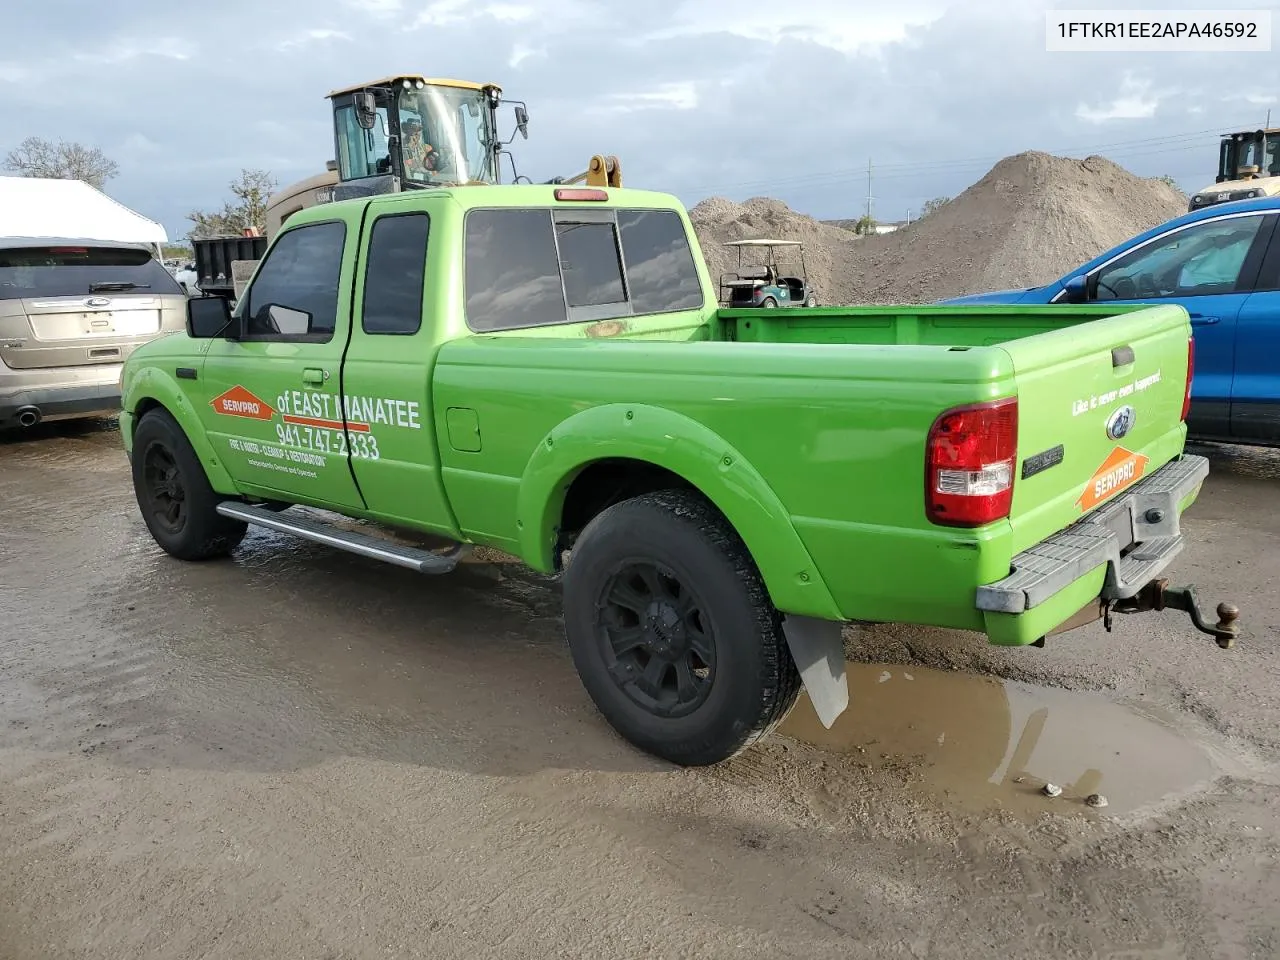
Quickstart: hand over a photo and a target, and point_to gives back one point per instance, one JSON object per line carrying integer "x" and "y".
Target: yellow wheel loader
{"x": 1248, "y": 166}
{"x": 404, "y": 132}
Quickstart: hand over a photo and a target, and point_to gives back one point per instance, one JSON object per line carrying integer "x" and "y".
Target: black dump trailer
{"x": 214, "y": 256}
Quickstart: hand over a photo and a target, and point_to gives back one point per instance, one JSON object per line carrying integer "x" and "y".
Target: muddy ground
{"x": 299, "y": 753}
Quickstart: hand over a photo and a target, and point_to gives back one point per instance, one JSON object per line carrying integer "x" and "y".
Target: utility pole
{"x": 868, "y": 188}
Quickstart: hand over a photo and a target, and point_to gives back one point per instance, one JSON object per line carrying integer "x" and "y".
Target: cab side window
{"x": 512, "y": 270}
{"x": 1199, "y": 260}
{"x": 361, "y": 153}
{"x": 294, "y": 297}
{"x": 661, "y": 272}
{"x": 395, "y": 274}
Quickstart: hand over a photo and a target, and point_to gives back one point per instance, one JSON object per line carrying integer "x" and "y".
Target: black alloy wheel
{"x": 672, "y": 630}
{"x": 163, "y": 489}
{"x": 660, "y": 649}
{"x": 177, "y": 502}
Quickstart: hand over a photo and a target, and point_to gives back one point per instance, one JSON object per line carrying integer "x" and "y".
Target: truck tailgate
{"x": 1099, "y": 407}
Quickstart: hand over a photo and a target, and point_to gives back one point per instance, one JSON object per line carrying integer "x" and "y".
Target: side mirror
{"x": 522, "y": 121}
{"x": 208, "y": 317}
{"x": 1077, "y": 290}
{"x": 290, "y": 322}
{"x": 366, "y": 109}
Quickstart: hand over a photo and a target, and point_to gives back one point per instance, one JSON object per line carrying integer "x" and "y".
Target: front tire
{"x": 768, "y": 303}
{"x": 672, "y": 632}
{"x": 177, "y": 503}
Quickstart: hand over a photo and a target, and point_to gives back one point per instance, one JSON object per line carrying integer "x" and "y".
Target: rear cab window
{"x": 81, "y": 271}
{"x": 534, "y": 267}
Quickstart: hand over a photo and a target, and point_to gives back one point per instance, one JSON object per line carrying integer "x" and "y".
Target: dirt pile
{"x": 1029, "y": 220}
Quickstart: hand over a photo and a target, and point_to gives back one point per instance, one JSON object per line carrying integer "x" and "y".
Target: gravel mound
{"x": 1029, "y": 220}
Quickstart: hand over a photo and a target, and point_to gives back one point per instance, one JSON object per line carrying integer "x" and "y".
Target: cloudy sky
{"x": 735, "y": 98}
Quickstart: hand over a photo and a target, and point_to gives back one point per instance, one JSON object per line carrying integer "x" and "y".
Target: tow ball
{"x": 1158, "y": 595}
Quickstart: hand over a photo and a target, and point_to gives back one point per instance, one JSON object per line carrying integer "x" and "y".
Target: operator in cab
{"x": 420, "y": 158}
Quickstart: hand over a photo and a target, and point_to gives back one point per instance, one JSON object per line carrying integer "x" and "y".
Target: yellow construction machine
{"x": 1248, "y": 166}
{"x": 404, "y": 132}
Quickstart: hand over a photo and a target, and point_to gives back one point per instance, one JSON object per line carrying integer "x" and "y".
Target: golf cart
{"x": 767, "y": 284}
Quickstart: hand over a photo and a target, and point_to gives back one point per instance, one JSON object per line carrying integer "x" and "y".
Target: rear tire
{"x": 672, "y": 632}
{"x": 768, "y": 303}
{"x": 173, "y": 493}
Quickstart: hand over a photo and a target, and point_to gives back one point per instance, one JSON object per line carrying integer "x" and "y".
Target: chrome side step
{"x": 412, "y": 558}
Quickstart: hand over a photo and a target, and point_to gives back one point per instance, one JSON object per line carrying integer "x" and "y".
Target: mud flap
{"x": 817, "y": 647}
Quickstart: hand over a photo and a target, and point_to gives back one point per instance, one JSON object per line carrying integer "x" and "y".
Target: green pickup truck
{"x": 544, "y": 370}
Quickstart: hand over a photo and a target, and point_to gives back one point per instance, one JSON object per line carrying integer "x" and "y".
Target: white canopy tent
{"x": 39, "y": 208}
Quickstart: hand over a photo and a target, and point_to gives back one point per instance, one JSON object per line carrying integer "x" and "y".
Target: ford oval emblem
{"x": 1120, "y": 422}
{"x": 97, "y": 302}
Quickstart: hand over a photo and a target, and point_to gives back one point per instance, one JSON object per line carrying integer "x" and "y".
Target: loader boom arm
{"x": 602, "y": 171}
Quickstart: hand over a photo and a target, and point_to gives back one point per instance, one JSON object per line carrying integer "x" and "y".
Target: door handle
{"x": 1198, "y": 320}
{"x": 314, "y": 376}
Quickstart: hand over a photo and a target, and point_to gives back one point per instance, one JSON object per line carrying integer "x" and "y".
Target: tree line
{"x": 63, "y": 160}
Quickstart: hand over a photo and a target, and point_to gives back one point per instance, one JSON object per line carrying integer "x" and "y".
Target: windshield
{"x": 81, "y": 272}
{"x": 445, "y": 135}
{"x": 1250, "y": 154}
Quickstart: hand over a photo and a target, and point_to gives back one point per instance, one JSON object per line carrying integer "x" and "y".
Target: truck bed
{"x": 852, "y": 394}
{"x": 927, "y": 325}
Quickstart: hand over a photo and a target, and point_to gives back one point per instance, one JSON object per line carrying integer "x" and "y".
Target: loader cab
{"x": 410, "y": 132}
{"x": 1249, "y": 155}
{"x": 1248, "y": 167}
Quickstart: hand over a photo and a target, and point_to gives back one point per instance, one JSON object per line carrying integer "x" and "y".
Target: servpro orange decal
{"x": 239, "y": 402}
{"x": 1121, "y": 469}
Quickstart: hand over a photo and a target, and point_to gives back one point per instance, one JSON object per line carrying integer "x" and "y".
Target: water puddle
{"x": 989, "y": 743}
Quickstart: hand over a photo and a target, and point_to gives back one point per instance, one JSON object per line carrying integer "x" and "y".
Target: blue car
{"x": 1222, "y": 263}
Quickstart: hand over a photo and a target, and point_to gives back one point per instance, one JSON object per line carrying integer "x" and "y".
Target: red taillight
{"x": 970, "y": 458}
{"x": 581, "y": 193}
{"x": 1191, "y": 369}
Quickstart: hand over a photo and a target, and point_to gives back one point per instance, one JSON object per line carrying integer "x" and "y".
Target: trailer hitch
{"x": 1158, "y": 595}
